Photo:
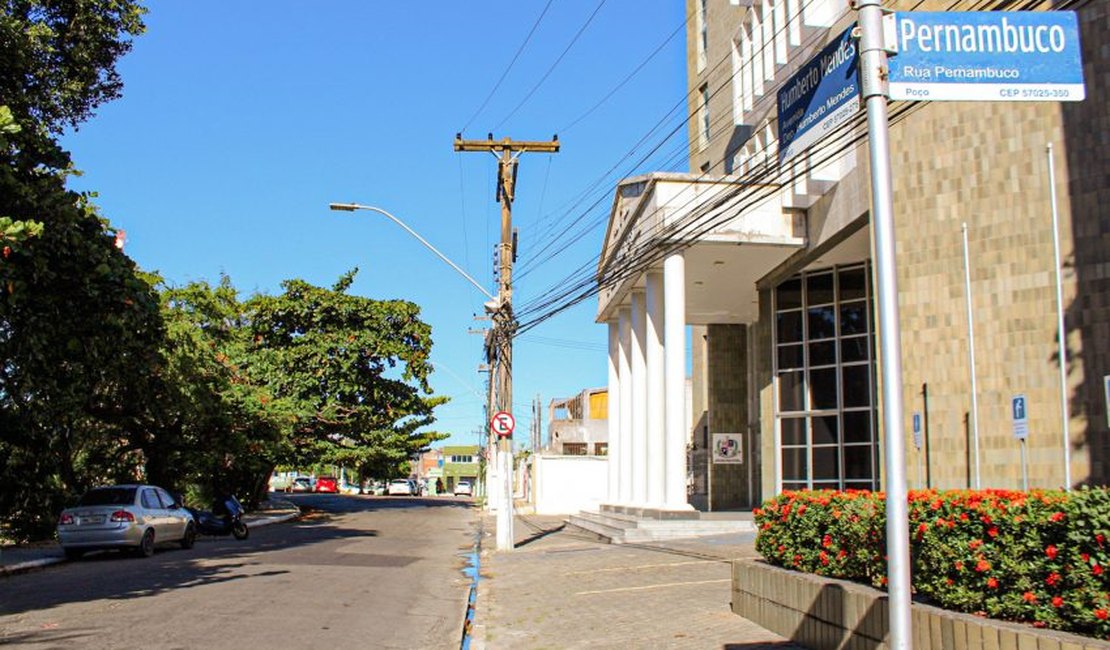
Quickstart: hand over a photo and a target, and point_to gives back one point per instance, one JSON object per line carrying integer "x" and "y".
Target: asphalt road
{"x": 355, "y": 572}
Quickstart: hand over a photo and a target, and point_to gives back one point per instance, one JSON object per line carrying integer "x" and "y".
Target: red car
{"x": 327, "y": 484}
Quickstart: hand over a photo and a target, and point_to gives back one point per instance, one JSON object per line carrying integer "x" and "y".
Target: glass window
{"x": 826, "y": 463}
{"x": 857, "y": 461}
{"x": 601, "y": 448}
{"x": 788, "y": 295}
{"x": 822, "y": 384}
{"x": 853, "y": 349}
{"x": 819, "y": 289}
{"x": 791, "y": 391}
{"x": 823, "y": 356}
{"x": 790, "y": 356}
{"x": 150, "y": 500}
{"x": 822, "y": 323}
{"x": 857, "y": 385}
{"x": 822, "y": 353}
{"x": 789, "y": 327}
{"x": 794, "y": 463}
{"x": 825, "y": 430}
{"x": 853, "y": 283}
{"x": 857, "y": 426}
{"x": 793, "y": 431}
{"x": 853, "y": 318}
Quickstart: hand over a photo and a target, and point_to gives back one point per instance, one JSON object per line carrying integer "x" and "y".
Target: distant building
{"x": 578, "y": 426}
{"x": 460, "y": 463}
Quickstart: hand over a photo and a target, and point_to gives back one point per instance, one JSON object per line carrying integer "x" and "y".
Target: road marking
{"x": 642, "y": 566}
{"x": 666, "y": 584}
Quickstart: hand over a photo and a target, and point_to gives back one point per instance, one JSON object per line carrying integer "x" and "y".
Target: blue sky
{"x": 241, "y": 121}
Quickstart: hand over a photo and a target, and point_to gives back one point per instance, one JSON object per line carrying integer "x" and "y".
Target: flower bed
{"x": 1039, "y": 557}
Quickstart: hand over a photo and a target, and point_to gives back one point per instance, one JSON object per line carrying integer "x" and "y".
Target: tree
{"x": 354, "y": 371}
{"x": 79, "y": 330}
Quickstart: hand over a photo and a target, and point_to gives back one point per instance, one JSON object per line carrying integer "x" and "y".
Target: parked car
{"x": 130, "y": 517}
{"x": 401, "y": 487}
{"x": 463, "y": 488}
{"x": 327, "y": 484}
{"x": 301, "y": 484}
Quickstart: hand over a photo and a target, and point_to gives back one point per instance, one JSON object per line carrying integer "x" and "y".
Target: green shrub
{"x": 1039, "y": 557}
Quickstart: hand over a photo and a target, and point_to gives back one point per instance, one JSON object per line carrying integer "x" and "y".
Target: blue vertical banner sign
{"x": 822, "y": 95}
{"x": 985, "y": 56}
{"x": 1020, "y": 416}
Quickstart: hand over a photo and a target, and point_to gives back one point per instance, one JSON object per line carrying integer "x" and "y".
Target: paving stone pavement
{"x": 560, "y": 588}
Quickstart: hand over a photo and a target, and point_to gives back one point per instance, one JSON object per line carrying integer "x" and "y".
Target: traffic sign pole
{"x": 873, "y": 74}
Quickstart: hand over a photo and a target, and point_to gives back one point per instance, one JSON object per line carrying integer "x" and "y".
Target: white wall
{"x": 568, "y": 484}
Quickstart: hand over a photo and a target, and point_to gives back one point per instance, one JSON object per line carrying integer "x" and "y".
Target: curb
{"x": 33, "y": 565}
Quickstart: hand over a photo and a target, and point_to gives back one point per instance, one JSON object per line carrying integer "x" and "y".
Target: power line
{"x": 508, "y": 67}
{"x": 553, "y": 66}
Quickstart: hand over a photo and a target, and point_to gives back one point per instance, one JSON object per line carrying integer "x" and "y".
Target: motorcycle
{"x": 225, "y": 518}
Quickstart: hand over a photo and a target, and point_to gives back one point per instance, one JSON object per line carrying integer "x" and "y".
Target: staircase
{"x": 641, "y": 525}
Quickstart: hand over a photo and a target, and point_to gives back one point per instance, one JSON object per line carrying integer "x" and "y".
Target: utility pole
{"x": 500, "y": 349}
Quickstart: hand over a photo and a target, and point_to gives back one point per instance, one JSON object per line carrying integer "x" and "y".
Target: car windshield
{"x": 400, "y": 481}
{"x": 114, "y": 496}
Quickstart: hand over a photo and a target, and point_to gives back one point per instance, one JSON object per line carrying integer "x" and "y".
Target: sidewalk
{"x": 18, "y": 559}
{"x": 560, "y": 588}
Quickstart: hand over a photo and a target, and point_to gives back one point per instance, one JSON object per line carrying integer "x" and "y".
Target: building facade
{"x": 460, "y": 463}
{"x": 769, "y": 266}
{"x": 578, "y": 425}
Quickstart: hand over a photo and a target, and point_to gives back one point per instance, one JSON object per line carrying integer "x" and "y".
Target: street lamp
{"x": 494, "y": 307}
{"x": 351, "y": 207}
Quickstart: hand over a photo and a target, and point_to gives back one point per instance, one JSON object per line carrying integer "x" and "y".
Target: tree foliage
{"x": 109, "y": 374}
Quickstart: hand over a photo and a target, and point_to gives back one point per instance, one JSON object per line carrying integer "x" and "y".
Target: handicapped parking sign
{"x": 1020, "y": 416}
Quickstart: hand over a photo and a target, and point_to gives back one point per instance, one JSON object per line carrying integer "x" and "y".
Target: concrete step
{"x": 619, "y": 528}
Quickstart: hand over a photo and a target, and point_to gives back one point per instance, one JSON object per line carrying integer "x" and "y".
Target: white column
{"x": 674, "y": 384}
{"x": 614, "y": 409}
{"x": 656, "y": 445}
{"x": 624, "y": 468}
{"x": 639, "y": 399}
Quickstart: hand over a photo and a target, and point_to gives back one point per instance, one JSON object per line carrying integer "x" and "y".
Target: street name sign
{"x": 1020, "y": 417}
{"x": 503, "y": 423}
{"x": 985, "y": 56}
{"x": 822, "y": 95}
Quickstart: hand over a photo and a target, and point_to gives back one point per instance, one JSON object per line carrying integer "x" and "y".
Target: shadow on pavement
{"x": 112, "y": 575}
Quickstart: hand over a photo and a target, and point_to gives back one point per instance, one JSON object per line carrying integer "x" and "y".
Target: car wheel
{"x": 146, "y": 545}
{"x": 190, "y": 537}
{"x": 74, "y": 554}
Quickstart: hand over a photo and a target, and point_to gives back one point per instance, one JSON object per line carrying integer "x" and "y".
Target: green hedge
{"x": 1040, "y": 557}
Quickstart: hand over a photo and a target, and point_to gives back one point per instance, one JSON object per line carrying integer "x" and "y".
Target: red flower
{"x": 950, "y": 582}
{"x": 963, "y": 516}
{"x": 826, "y": 541}
{"x": 992, "y": 583}
{"x": 1100, "y": 538}
{"x": 1056, "y": 517}
{"x": 1097, "y": 570}
{"x": 1052, "y": 579}
{"x": 993, "y": 531}
{"x": 1057, "y": 601}
{"x": 982, "y": 566}
{"x": 959, "y": 565}
{"x": 824, "y": 558}
{"x": 1029, "y": 597}
{"x": 1050, "y": 551}
{"x": 974, "y": 544}
{"x": 841, "y": 554}
{"x": 1100, "y": 614}
{"x": 1086, "y": 558}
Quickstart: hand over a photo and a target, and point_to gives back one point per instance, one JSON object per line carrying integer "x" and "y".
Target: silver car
{"x": 135, "y": 517}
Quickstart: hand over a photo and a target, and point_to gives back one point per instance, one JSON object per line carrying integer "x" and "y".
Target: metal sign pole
{"x": 1024, "y": 468}
{"x": 873, "y": 76}
{"x": 971, "y": 363}
{"x": 1061, "y": 333}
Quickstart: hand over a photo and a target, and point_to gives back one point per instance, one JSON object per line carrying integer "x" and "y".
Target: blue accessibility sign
{"x": 985, "y": 56}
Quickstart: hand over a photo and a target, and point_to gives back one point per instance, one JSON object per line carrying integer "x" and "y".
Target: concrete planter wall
{"x": 822, "y": 613}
